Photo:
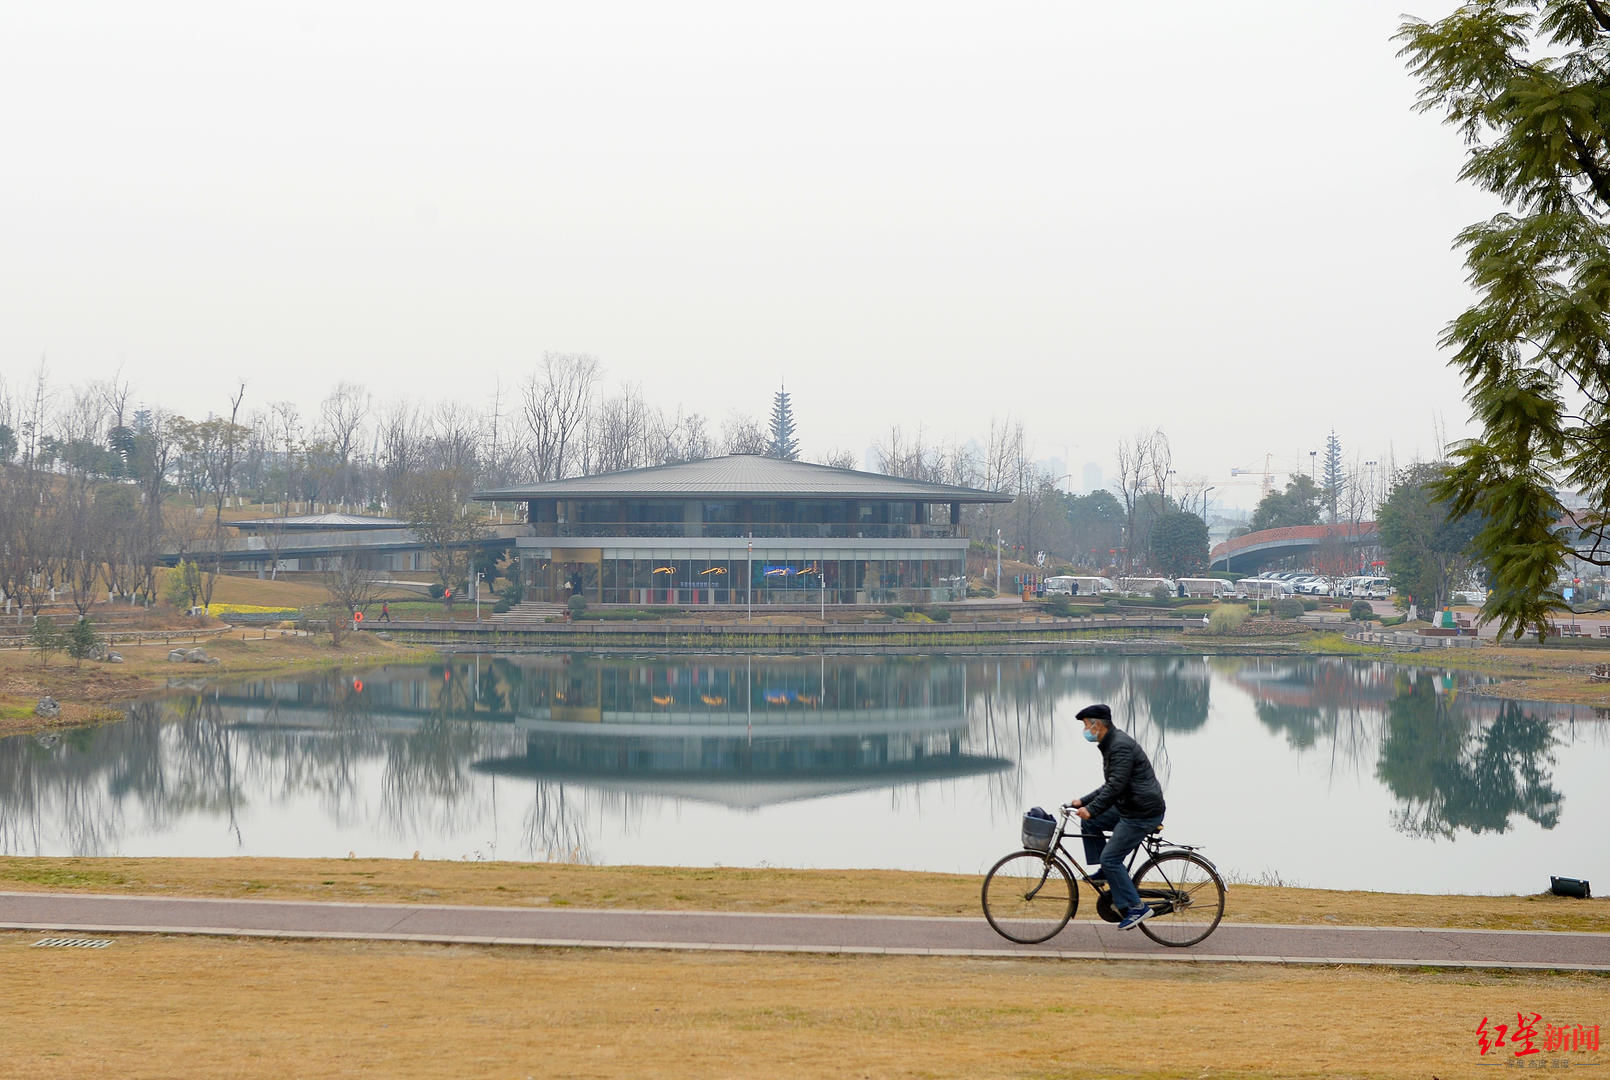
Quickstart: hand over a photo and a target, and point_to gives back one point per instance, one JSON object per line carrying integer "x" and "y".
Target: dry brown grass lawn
{"x": 669, "y": 888}
{"x": 166, "y": 1007}
{"x": 251, "y": 590}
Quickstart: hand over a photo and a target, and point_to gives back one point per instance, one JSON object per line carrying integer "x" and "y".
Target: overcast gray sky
{"x": 1222, "y": 220}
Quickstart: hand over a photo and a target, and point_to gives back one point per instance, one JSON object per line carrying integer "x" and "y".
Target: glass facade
{"x": 726, "y": 547}
{"x": 780, "y": 518}
{"x": 691, "y": 576}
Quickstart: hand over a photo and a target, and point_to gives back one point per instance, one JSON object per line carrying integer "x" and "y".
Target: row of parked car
{"x": 1308, "y": 584}
{"x": 1267, "y": 586}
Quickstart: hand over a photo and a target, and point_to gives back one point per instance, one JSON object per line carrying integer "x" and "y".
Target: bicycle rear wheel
{"x": 1028, "y": 897}
{"x": 1186, "y": 895}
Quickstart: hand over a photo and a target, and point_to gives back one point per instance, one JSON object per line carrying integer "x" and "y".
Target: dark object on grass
{"x": 1570, "y": 886}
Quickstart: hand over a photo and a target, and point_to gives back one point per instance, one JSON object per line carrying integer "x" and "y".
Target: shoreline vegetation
{"x": 93, "y": 692}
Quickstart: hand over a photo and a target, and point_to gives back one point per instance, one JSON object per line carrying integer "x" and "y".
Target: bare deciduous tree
{"x": 742, "y": 434}
{"x": 433, "y": 505}
{"x": 558, "y": 398}
{"x": 352, "y": 588}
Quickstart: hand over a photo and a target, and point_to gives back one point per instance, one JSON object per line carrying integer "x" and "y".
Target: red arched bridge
{"x": 1255, "y": 550}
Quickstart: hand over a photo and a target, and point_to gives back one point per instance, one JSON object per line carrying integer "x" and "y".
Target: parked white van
{"x": 1143, "y": 586}
{"x": 1376, "y": 588}
{"x": 1075, "y": 585}
{"x": 1217, "y": 588}
{"x": 1262, "y": 588}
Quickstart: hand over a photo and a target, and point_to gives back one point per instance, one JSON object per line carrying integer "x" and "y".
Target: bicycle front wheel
{"x": 1029, "y": 896}
{"x": 1186, "y": 895}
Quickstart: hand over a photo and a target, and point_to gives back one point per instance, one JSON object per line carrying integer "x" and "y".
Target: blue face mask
{"x": 1090, "y": 736}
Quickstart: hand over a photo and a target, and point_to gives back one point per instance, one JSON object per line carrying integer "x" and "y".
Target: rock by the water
{"x": 114, "y": 658}
{"x": 197, "y": 656}
{"x": 48, "y": 708}
{"x": 177, "y": 656}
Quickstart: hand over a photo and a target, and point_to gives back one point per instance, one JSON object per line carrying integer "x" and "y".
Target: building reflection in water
{"x": 414, "y": 755}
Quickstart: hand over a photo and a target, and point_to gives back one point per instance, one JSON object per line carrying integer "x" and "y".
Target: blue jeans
{"x": 1127, "y": 833}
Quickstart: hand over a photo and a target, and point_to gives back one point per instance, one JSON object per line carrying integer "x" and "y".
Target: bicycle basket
{"x": 1038, "y": 832}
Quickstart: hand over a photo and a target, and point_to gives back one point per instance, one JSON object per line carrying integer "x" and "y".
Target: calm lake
{"x": 1324, "y": 772}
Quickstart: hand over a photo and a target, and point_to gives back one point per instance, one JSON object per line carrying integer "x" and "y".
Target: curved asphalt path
{"x": 702, "y": 930}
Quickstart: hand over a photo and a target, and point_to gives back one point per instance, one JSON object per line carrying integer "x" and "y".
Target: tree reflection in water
{"x": 422, "y": 752}
{"x": 1454, "y": 771}
{"x": 1014, "y": 704}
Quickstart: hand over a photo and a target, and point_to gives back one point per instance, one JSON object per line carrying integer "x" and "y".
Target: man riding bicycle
{"x": 1129, "y": 804}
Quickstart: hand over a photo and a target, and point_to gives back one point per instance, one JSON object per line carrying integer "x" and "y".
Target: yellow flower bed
{"x": 246, "y": 609}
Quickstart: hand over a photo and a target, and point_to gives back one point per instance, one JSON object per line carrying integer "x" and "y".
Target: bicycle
{"x": 1030, "y": 895}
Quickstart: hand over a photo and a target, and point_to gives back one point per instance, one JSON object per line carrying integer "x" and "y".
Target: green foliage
{"x": 81, "y": 640}
{"x": 937, "y": 614}
{"x": 1335, "y": 475}
{"x": 975, "y": 592}
{"x": 1524, "y": 84}
{"x": 1227, "y": 618}
{"x": 783, "y": 443}
{"x": 1119, "y": 603}
{"x": 1297, "y": 505}
{"x": 1160, "y": 592}
{"x": 1179, "y": 543}
{"x": 1287, "y": 607}
{"x": 1427, "y": 548}
{"x": 1308, "y": 603}
{"x": 44, "y": 638}
{"x": 1361, "y": 611}
{"x": 577, "y": 604}
{"x": 1096, "y": 526}
{"x": 182, "y": 588}
{"x": 503, "y": 604}
{"x": 437, "y": 590}
{"x": 895, "y": 611}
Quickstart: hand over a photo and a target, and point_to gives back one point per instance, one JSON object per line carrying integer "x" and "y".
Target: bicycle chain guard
{"x": 1104, "y": 907}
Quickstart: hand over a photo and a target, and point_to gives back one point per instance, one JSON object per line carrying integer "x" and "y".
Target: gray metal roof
{"x": 747, "y": 475}
{"x": 320, "y": 521}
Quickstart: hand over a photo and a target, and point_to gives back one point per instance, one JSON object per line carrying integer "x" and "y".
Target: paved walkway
{"x": 614, "y": 929}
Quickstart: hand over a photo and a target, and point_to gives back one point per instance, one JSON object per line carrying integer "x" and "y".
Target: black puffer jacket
{"x": 1131, "y": 784}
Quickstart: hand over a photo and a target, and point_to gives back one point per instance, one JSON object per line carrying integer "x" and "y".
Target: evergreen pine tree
{"x": 1335, "y": 475}
{"x": 783, "y": 443}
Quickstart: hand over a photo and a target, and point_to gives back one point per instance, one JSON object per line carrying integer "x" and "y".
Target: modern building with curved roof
{"x": 741, "y": 530}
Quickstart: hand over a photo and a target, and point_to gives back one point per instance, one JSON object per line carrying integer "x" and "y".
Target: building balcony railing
{"x": 713, "y": 529}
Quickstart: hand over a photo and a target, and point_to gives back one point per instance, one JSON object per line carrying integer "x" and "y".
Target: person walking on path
{"x": 385, "y": 611}
{"x": 1129, "y": 804}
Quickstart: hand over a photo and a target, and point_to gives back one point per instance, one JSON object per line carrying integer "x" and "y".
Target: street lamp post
{"x": 749, "y": 588}
{"x": 997, "y": 562}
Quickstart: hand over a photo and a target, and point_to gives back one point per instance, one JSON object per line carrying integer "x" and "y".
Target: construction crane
{"x": 1266, "y": 472}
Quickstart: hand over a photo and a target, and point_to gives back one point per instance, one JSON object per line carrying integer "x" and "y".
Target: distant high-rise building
{"x": 1092, "y": 477}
